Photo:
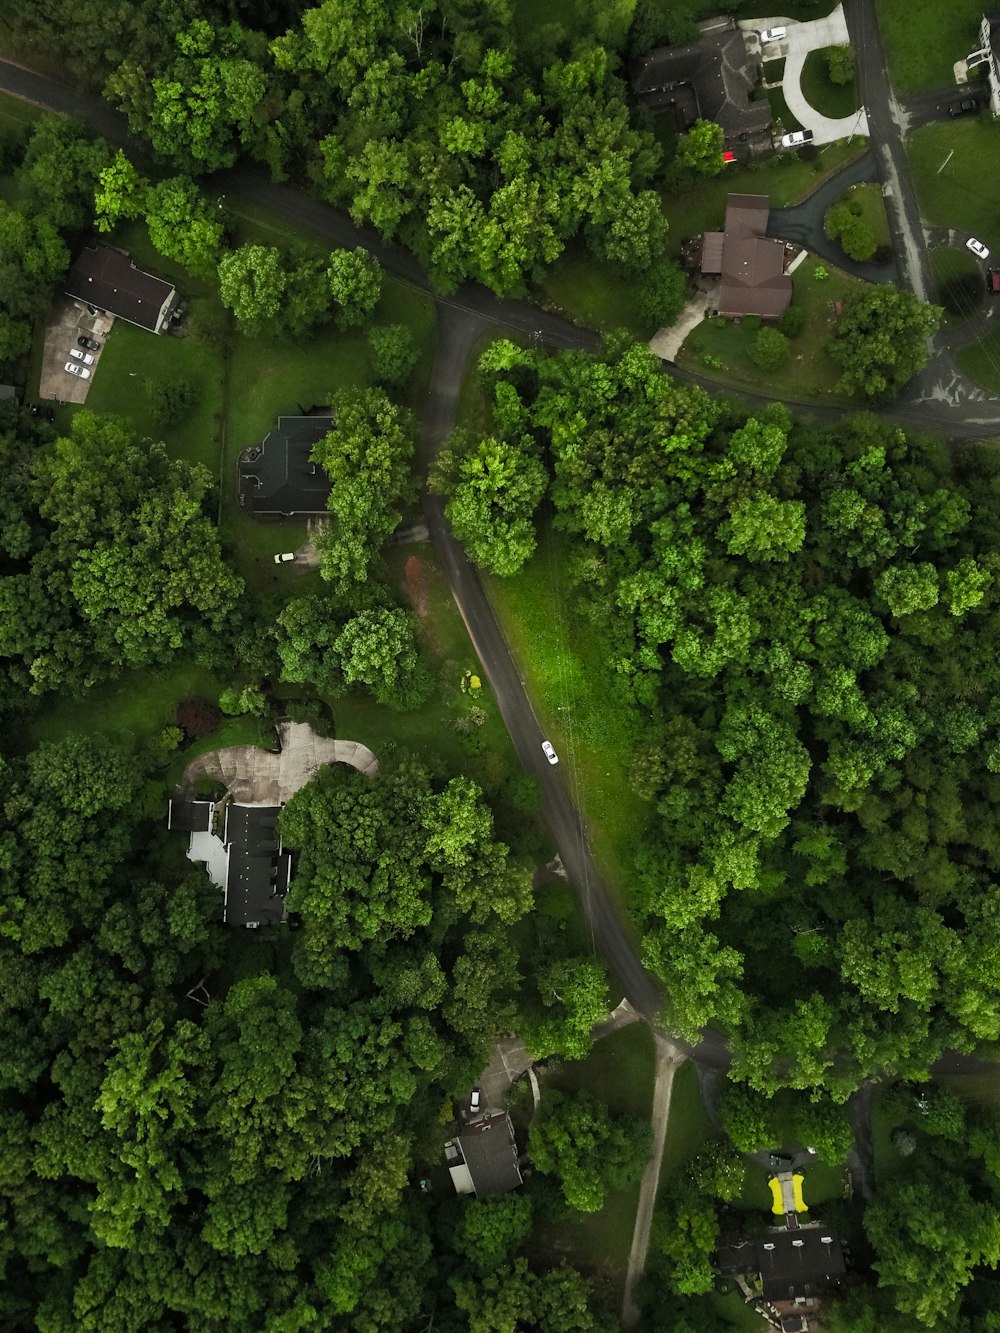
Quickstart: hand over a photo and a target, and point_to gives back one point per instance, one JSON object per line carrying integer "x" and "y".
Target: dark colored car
{"x": 90, "y": 344}
{"x": 965, "y": 107}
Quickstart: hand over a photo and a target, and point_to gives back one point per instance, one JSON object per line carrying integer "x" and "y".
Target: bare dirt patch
{"x": 415, "y": 585}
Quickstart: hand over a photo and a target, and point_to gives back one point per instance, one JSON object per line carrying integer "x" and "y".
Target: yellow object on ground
{"x": 800, "y": 1203}
{"x": 776, "y": 1207}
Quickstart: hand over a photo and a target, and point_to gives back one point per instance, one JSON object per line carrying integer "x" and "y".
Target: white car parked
{"x": 85, "y": 357}
{"x": 977, "y": 248}
{"x": 74, "y": 368}
{"x": 772, "y": 35}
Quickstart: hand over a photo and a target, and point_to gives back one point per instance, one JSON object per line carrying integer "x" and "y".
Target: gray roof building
{"x": 278, "y": 478}
{"x": 244, "y": 858}
{"x": 752, "y": 265}
{"x": 483, "y": 1160}
{"x": 710, "y": 79}
{"x": 108, "y": 280}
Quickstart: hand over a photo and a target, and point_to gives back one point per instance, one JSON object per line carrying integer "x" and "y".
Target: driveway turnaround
{"x": 800, "y": 40}
{"x": 253, "y": 776}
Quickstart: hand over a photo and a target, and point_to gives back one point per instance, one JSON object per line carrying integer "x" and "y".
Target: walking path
{"x": 668, "y": 1059}
{"x": 795, "y": 46}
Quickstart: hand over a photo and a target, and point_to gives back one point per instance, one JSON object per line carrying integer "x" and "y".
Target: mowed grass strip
{"x": 924, "y": 38}
{"x": 565, "y": 662}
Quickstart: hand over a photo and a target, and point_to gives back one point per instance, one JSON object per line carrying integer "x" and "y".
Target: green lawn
{"x": 140, "y": 704}
{"x": 835, "y": 100}
{"x": 784, "y": 177}
{"x": 689, "y": 1127}
{"x": 620, "y": 1070}
{"x": 960, "y": 190}
{"x": 14, "y": 112}
{"x": 808, "y": 372}
{"x": 981, "y": 360}
{"x": 592, "y": 292}
{"x": 783, "y": 121}
{"x": 734, "y": 1309}
{"x": 924, "y": 38}
{"x": 593, "y": 729}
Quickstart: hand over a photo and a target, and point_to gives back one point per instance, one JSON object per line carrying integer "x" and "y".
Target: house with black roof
{"x": 108, "y": 280}
{"x": 241, "y": 848}
{"x": 710, "y": 79}
{"x": 483, "y": 1160}
{"x": 278, "y": 478}
{"x": 796, "y": 1267}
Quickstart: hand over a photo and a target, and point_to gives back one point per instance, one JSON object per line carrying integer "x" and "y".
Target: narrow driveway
{"x": 802, "y": 224}
{"x": 668, "y": 1061}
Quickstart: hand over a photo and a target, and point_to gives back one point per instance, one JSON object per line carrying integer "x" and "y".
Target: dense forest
{"x": 213, "y": 1132}
{"x": 805, "y": 619}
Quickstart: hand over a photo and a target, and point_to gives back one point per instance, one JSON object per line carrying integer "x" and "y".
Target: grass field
{"x": 959, "y": 191}
{"x": 924, "y": 38}
{"x": 689, "y": 1127}
{"x": 808, "y": 372}
{"x": 785, "y": 178}
{"x": 592, "y": 293}
{"x": 835, "y": 100}
{"x": 592, "y": 728}
{"x": 981, "y": 360}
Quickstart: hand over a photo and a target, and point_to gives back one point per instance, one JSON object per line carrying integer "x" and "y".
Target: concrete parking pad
{"x": 800, "y": 40}
{"x": 253, "y": 776}
{"x": 68, "y": 321}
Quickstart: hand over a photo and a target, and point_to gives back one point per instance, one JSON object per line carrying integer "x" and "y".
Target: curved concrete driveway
{"x": 801, "y": 39}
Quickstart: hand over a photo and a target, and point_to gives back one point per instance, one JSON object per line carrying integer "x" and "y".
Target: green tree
{"x": 845, "y": 222}
{"x": 122, "y": 193}
{"x": 880, "y": 341}
{"x": 393, "y": 354}
{"x": 769, "y": 350}
{"x": 252, "y": 284}
{"x": 840, "y": 64}
{"x": 377, "y": 649}
{"x": 577, "y": 1139}
{"x": 182, "y": 227}
{"x": 355, "y": 280}
{"x": 367, "y": 457}
{"x": 494, "y": 489}
{"x": 700, "y": 149}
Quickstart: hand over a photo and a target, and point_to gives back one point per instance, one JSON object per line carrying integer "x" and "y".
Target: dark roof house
{"x": 108, "y": 280}
{"x": 711, "y": 79}
{"x": 752, "y": 266}
{"x": 795, "y": 1267}
{"x": 278, "y": 478}
{"x": 483, "y": 1159}
{"x": 245, "y": 859}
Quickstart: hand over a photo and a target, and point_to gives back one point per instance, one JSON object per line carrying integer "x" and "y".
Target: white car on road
{"x": 977, "y": 248}
{"x": 549, "y": 753}
{"x": 74, "y": 368}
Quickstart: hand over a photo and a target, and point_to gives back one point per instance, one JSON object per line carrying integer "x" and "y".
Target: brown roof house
{"x": 752, "y": 266}
{"x": 711, "y": 79}
{"x": 108, "y": 280}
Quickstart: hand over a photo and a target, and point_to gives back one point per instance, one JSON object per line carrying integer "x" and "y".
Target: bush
{"x": 393, "y": 354}
{"x": 844, "y": 223}
{"x": 769, "y": 350}
{"x": 840, "y": 64}
{"x": 793, "y": 321}
{"x": 197, "y": 718}
{"x": 662, "y": 293}
{"x": 171, "y": 400}
{"x": 752, "y": 322}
